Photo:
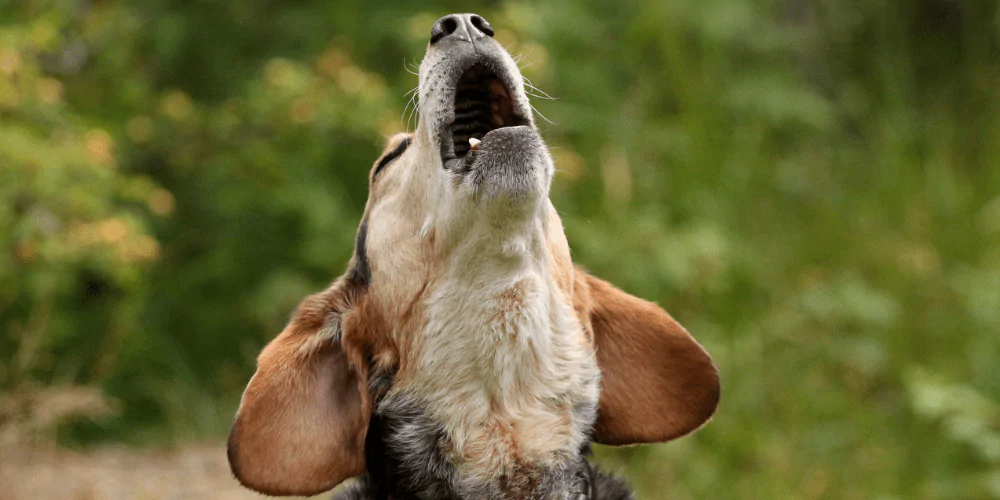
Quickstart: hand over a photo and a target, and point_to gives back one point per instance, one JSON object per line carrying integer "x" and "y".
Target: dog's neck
{"x": 502, "y": 371}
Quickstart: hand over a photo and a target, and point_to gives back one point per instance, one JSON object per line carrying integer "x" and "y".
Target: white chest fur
{"x": 504, "y": 363}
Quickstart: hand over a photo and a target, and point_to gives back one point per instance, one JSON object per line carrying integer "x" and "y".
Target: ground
{"x": 119, "y": 473}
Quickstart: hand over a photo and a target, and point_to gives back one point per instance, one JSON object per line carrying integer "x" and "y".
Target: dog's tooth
{"x": 474, "y": 143}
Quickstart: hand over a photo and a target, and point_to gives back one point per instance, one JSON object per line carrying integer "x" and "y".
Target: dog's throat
{"x": 503, "y": 374}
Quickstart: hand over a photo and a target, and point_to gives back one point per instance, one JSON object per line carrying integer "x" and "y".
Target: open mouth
{"x": 482, "y": 104}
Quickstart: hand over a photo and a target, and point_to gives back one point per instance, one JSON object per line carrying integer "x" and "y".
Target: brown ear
{"x": 658, "y": 382}
{"x": 301, "y": 425}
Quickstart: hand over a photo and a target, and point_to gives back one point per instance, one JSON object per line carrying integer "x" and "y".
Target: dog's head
{"x": 459, "y": 201}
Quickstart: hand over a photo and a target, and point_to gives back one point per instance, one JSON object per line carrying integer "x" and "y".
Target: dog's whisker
{"x": 403, "y": 115}
{"x": 539, "y": 113}
{"x": 414, "y": 114}
{"x": 412, "y": 107}
{"x": 405, "y": 109}
{"x": 413, "y": 111}
{"x": 529, "y": 64}
{"x": 535, "y": 90}
{"x": 522, "y": 57}
{"x": 415, "y": 118}
{"x": 406, "y": 66}
{"x": 528, "y": 82}
{"x": 538, "y": 96}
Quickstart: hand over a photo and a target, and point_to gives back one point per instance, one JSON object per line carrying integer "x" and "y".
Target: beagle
{"x": 462, "y": 355}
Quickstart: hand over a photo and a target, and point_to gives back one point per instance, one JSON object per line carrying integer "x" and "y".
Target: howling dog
{"x": 462, "y": 355}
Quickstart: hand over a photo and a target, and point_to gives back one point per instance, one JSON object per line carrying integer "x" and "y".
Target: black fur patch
{"x": 608, "y": 487}
{"x": 380, "y": 380}
{"x": 599, "y": 485}
{"x": 392, "y": 155}
{"x": 402, "y": 452}
{"x": 361, "y": 273}
{"x": 406, "y": 459}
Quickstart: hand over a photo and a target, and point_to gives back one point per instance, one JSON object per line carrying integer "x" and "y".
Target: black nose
{"x": 465, "y": 27}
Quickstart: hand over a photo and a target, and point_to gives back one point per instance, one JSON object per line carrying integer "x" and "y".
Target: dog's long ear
{"x": 301, "y": 425}
{"x": 658, "y": 382}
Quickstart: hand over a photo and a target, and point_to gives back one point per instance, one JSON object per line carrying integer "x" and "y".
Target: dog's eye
{"x": 392, "y": 155}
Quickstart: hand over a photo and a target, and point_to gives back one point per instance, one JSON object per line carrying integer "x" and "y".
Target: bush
{"x": 810, "y": 187}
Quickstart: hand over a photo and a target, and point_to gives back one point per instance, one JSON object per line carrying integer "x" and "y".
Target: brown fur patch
{"x": 366, "y": 341}
{"x": 562, "y": 270}
{"x": 658, "y": 382}
{"x": 301, "y": 424}
{"x": 509, "y": 303}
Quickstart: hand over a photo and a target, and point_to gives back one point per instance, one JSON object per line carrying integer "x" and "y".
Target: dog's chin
{"x": 510, "y": 164}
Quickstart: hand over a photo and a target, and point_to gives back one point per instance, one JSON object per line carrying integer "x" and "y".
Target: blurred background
{"x": 812, "y": 187}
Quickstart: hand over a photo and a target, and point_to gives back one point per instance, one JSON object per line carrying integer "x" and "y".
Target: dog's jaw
{"x": 501, "y": 179}
{"x": 476, "y": 115}
{"x": 449, "y": 67}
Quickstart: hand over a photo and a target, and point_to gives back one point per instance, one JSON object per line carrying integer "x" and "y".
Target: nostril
{"x": 443, "y": 27}
{"x": 482, "y": 25}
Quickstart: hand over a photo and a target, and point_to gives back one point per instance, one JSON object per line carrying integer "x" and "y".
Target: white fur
{"x": 503, "y": 376}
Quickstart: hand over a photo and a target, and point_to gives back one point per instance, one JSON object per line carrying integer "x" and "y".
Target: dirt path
{"x": 119, "y": 473}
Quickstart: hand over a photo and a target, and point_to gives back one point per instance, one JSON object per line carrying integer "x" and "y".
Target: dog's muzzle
{"x": 484, "y": 133}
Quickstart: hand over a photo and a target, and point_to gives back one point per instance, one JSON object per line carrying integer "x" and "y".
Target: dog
{"x": 463, "y": 355}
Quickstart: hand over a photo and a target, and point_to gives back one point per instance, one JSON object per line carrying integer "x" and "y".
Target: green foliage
{"x": 812, "y": 188}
